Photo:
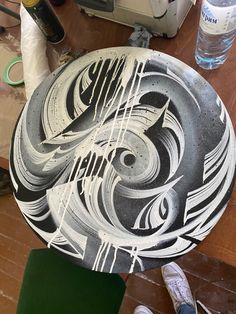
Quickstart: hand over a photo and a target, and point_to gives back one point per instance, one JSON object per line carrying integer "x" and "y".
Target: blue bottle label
{"x": 217, "y": 20}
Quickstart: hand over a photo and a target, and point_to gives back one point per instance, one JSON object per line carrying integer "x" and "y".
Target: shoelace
{"x": 180, "y": 293}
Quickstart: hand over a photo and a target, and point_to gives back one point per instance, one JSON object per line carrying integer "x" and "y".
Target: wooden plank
{"x": 209, "y": 269}
{"x": 4, "y": 163}
{"x": 7, "y": 305}
{"x": 129, "y": 304}
{"x": 9, "y": 287}
{"x": 9, "y": 207}
{"x": 13, "y": 250}
{"x": 15, "y": 229}
{"x": 153, "y": 295}
{"x": 12, "y": 269}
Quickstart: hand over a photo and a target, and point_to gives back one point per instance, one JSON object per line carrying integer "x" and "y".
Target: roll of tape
{"x": 7, "y": 69}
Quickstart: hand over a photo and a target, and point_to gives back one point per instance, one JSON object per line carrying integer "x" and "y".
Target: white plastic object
{"x": 33, "y": 49}
{"x": 159, "y": 7}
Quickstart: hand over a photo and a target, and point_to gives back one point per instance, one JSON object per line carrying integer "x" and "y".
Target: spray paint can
{"x": 57, "y": 3}
{"x": 46, "y": 19}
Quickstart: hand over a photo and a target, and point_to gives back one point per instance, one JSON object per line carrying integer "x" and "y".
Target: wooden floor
{"x": 16, "y": 240}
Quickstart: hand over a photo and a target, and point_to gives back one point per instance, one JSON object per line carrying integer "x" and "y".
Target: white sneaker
{"x": 141, "y": 309}
{"x": 177, "y": 285}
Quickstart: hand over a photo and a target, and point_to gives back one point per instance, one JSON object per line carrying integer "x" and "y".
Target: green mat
{"x": 52, "y": 284}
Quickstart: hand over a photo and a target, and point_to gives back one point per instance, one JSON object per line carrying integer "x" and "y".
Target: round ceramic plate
{"x": 123, "y": 160}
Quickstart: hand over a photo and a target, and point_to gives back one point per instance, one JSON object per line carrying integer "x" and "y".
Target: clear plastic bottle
{"x": 217, "y": 30}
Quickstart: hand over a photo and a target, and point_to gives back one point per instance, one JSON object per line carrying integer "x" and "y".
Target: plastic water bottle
{"x": 217, "y": 30}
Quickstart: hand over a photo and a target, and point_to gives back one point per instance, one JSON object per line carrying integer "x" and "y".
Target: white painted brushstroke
{"x": 220, "y": 104}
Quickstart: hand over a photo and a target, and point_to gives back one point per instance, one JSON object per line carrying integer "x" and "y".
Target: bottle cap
{"x": 30, "y": 3}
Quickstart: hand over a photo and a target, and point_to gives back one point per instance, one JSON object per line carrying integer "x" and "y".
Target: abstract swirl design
{"x": 123, "y": 160}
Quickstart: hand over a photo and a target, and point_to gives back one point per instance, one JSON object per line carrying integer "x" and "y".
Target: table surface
{"x": 94, "y": 33}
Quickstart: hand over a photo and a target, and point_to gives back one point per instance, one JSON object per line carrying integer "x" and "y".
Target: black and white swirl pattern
{"x": 123, "y": 159}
